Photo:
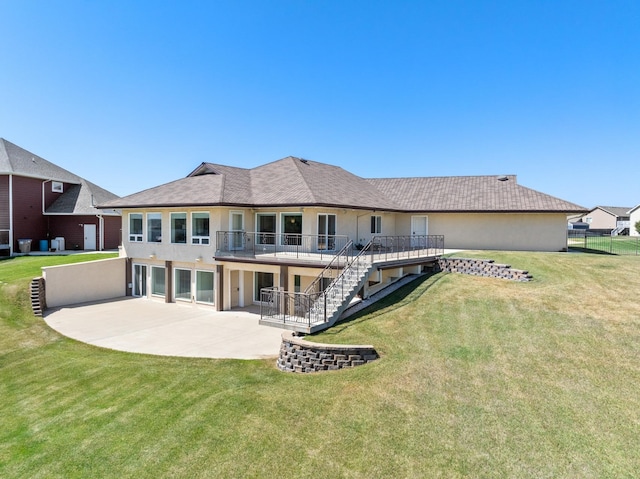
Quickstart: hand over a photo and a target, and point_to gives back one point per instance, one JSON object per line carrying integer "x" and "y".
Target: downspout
{"x": 101, "y": 226}
{"x": 10, "y": 215}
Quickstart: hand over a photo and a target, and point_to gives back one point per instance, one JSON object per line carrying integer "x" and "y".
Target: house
{"x": 304, "y": 237}
{"x": 50, "y": 206}
{"x": 634, "y": 217}
{"x": 608, "y": 219}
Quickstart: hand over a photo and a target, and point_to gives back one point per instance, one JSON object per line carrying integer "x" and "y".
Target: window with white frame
{"x": 135, "y": 226}
{"x": 266, "y": 228}
{"x": 154, "y": 227}
{"x": 376, "y": 224}
{"x": 200, "y": 228}
{"x": 204, "y": 287}
{"x": 182, "y": 284}
{"x": 57, "y": 186}
{"x": 179, "y": 228}
{"x": 158, "y": 280}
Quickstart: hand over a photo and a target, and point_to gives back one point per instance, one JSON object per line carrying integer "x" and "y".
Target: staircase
{"x": 336, "y": 298}
{"x": 37, "y": 296}
{"x": 318, "y": 307}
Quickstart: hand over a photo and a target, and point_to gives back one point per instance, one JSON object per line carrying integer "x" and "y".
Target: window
{"x": 204, "y": 287}
{"x": 376, "y": 225}
{"x": 262, "y": 280}
{"x": 57, "y": 186}
{"x": 157, "y": 280}
{"x": 139, "y": 280}
{"x": 183, "y": 284}
{"x": 291, "y": 229}
{"x": 296, "y": 283}
{"x": 200, "y": 228}
{"x": 135, "y": 226}
{"x": 326, "y": 232}
{"x": 266, "y": 228}
{"x": 154, "y": 227}
{"x": 179, "y": 228}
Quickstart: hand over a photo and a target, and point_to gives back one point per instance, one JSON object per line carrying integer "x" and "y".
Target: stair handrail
{"x": 310, "y": 289}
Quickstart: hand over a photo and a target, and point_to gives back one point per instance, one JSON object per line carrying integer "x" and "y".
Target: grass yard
{"x": 478, "y": 377}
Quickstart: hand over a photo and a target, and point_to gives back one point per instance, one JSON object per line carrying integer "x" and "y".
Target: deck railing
{"x": 242, "y": 243}
{"x": 390, "y": 248}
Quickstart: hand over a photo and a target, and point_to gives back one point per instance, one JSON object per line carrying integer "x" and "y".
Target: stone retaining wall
{"x": 299, "y": 355}
{"x": 483, "y": 267}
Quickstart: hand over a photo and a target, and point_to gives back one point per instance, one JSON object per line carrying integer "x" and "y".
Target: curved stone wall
{"x": 301, "y": 356}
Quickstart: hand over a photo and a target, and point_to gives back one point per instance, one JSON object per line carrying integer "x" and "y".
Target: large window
{"x": 266, "y": 227}
{"x": 200, "y": 228}
{"x": 204, "y": 287}
{"x": 182, "y": 286}
{"x": 154, "y": 227}
{"x": 292, "y": 228}
{"x": 157, "y": 281}
{"x": 262, "y": 280}
{"x": 135, "y": 226}
{"x": 178, "y": 228}
{"x": 376, "y": 225}
{"x": 326, "y": 232}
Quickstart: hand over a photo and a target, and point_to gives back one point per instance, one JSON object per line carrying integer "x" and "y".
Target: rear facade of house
{"x": 283, "y": 232}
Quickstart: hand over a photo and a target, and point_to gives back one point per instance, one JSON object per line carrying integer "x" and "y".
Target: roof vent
{"x": 306, "y": 162}
{"x": 503, "y": 178}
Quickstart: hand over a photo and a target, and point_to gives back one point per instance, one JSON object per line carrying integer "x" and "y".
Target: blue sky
{"x": 133, "y": 94}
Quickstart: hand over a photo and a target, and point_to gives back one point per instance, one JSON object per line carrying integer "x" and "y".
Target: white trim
{"x": 201, "y": 240}
{"x": 57, "y": 186}
{"x": 129, "y": 234}
{"x": 133, "y": 280}
{"x": 150, "y": 283}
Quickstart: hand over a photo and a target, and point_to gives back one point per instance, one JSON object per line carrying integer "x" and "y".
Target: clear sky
{"x": 133, "y": 94}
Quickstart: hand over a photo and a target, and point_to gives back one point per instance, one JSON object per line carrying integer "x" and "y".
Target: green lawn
{"x": 478, "y": 377}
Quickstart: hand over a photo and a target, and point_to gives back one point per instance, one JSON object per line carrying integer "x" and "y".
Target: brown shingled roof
{"x": 296, "y": 182}
{"x": 469, "y": 194}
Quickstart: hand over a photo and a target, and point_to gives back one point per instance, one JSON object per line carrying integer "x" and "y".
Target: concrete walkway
{"x": 152, "y": 327}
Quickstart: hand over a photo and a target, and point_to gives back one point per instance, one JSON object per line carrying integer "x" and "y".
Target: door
{"x": 234, "y": 283}
{"x": 236, "y": 225}
{"x": 140, "y": 280}
{"x": 326, "y": 232}
{"x": 89, "y": 237}
{"x": 419, "y": 231}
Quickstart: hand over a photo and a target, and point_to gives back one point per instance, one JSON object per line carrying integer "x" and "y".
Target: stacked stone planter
{"x": 482, "y": 267}
{"x": 38, "y": 304}
{"x": 298, "y": 355}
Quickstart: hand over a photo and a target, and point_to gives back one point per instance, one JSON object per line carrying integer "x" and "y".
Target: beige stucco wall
{"x": 501, "y": 231}
{"x": 82, "y": 282}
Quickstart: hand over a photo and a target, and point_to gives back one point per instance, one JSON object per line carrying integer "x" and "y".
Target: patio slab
{"x": 151, "y": 327}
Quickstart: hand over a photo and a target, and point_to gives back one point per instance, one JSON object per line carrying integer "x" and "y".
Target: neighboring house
{"x": 608, "y": 219}
{"x": 40, "y": 201}
{"x": 634, "y": 217}
{"x": 224, "y": 235}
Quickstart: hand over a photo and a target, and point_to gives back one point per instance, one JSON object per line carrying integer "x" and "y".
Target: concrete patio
{"x": 151, "y": 327}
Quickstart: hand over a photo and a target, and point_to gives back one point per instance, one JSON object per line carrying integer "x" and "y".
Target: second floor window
{"x": 135, "y": 227}
{"x": 200, "y": 228}
{"x": 178, "y": 228}
{"x": 376, "y": 225}
{"x": 154, "y": 227}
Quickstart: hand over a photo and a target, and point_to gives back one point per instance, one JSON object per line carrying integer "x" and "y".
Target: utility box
{"x": 24, "y": 245}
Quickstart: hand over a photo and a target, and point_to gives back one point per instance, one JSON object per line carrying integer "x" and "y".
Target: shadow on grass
{"x": 396, "y": 300}
{"x": 573, "y": 249}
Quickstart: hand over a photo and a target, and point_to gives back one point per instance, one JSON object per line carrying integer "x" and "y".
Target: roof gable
{"x": 18, "y": 161}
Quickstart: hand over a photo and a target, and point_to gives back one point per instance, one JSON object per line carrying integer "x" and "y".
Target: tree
{"x": 637, "y": 226}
